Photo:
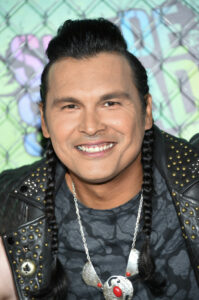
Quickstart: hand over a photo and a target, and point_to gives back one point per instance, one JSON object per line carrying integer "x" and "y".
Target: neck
{"x": 110, "y": 194}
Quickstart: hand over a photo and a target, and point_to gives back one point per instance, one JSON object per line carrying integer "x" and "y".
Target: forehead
{"x": 103, "y": 71}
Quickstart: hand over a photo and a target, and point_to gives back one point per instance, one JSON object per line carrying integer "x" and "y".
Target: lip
{"x": 94, "y": 143}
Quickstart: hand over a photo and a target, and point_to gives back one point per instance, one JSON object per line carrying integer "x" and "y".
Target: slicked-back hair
{"x": 81, "y": 39}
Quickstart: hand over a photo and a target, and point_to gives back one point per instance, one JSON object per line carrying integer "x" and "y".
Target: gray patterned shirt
{"x": 109, "y": 235}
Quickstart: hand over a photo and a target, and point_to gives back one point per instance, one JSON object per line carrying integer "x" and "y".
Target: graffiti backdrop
{"x": 164, "y": 35}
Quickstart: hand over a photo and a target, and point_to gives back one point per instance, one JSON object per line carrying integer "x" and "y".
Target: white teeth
{"x": 94, "y": 149}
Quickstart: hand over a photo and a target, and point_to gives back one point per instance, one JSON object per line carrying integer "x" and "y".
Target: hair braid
{"x": 146, "y": 262}
{"x": 147, "y": 186}
{"x": 49, "y": 196}
{"x": 58, "y": 284}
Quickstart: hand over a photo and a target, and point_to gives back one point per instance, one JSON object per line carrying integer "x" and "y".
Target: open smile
{"x": 95, "y": 148}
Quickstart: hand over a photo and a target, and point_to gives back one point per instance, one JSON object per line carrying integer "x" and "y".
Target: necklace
{"x": 116, "y": 286}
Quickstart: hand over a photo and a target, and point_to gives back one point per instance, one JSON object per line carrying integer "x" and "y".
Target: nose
{"x": 91, "y": 123}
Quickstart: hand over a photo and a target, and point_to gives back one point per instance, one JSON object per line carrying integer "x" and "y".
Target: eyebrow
{"x": 63, "y": 100}
{"x": 118, "y": 95}
{"x": 108, "y": 96}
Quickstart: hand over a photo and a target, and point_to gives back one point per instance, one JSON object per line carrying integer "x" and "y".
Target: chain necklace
{"x": 116, "y": 286}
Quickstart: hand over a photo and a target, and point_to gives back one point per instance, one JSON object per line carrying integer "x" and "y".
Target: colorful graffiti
{"x": 28, "y": 55}
{"x": 160, "y": 37}
{"x": 171, "y": 60}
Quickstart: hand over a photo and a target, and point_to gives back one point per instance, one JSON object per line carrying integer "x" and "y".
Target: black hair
{"x": 83, "y": 39}
{"x": 86, "y": 38}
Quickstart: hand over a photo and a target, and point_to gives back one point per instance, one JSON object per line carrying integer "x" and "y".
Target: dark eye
{"x": 111, "y": 103}
{"x": 69, "y": 106}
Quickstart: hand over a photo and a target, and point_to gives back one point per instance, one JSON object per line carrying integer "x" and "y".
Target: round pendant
{"x": 118, "y": 287}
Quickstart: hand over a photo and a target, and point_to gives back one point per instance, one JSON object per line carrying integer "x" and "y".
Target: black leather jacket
{"x": 23, "y": 227}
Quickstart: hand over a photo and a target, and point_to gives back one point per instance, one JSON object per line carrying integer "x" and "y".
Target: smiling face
{"x": 94, "y": 116}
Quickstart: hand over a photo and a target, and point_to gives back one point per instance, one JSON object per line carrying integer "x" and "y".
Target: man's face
{"x": 94, "y": 116}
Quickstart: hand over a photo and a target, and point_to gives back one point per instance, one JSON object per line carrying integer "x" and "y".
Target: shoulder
{"x": 9, "y": 179}
{"x": 174, "y": 148}
{"x": 21, "y": 195}
{"x": 195, "y": 141}
{"x": 176, "y": 158}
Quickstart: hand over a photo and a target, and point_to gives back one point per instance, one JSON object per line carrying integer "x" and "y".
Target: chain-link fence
{"x": 163, "y": 34}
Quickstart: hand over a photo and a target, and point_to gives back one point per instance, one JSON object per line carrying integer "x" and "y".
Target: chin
{"x": 93, "y": 179}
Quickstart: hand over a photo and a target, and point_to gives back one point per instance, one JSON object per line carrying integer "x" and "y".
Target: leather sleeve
{"x": 16, "y": 208}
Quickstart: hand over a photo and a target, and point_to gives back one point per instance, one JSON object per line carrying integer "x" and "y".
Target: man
{"x": 104, "y": 214}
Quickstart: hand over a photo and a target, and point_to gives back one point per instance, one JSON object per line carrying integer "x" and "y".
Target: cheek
{"x": 132, "y": 134}
{"x": 120, "y": 120}
{"x": 128, "y": 125}
{"x": 60, "y": 128}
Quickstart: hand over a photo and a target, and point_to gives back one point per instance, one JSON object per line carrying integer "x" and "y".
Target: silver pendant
{"x": 118, "y": 287}
{"x": 132, "y": 265}
{"x": 90, "y": 276}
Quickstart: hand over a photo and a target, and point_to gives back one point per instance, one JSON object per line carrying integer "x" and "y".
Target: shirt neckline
{"x": 130, "y": 205}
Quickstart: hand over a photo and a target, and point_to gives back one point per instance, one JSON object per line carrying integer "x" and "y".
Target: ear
{"x": 43, "y": 122}
{"x": 148, "y": 115}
